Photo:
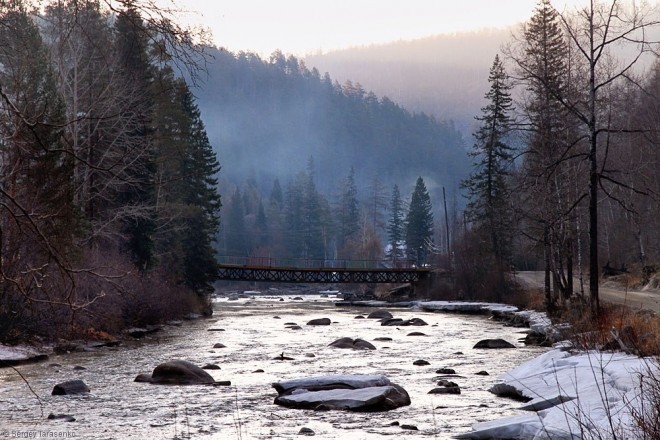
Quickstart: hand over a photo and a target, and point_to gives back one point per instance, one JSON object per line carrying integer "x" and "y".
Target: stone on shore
{"x": 140, "y": 332}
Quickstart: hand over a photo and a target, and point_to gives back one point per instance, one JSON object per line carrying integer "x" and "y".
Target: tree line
{"x": 298, "y": 221}
{"x": 108, "y": 192}
{"x": 581, "y": 193}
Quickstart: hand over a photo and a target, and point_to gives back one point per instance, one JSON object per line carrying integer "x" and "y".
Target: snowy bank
{"x": 17, "y": 355}
{"x": 538, "y": 322}
{"x": 575, "y": 395}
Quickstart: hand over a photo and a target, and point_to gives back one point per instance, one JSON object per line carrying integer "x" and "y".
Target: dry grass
{"x": 638, "y": 330}
{"x": 647, "y": 417}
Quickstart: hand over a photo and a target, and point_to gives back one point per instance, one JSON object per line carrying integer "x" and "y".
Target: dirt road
{"x": 635, "y": 299}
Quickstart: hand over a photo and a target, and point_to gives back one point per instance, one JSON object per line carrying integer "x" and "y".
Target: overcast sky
{"x": 300, "y": 27}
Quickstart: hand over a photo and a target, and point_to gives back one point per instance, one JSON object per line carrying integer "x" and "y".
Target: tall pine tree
{"x": 132, "y": 45}
{"x": 488, "y": 191}
{"x": 549, "y": 179}
{"x": 199, "y": 181}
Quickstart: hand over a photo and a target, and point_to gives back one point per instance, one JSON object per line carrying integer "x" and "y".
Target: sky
{"x": 302, "y": 27}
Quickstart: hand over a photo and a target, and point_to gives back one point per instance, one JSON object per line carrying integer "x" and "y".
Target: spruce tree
{"x": 488, "y": 191}
{"x": 548, "y": 177}
{"x": 199, "y": 181}
{"x": 395, "y": 226}
{"x": 132, "y": 46}
{"x": 419, "y": 224}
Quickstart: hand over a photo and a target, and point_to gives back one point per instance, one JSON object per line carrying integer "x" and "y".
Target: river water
{"x": 253, "y": 331}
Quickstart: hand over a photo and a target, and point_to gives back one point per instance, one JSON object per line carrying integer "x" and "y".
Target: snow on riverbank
{"x": 16, "y": 355}
{"x": 573, "y": 394}
{"x": 537, "y": 321}
{"x": 599, "y": 392}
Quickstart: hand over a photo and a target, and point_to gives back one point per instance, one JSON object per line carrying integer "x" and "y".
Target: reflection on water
{"x": 119, "y": 408}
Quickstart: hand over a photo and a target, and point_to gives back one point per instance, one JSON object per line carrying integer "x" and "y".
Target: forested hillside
{"x": 443, "y": 75}
{"x": 267, "y": 118}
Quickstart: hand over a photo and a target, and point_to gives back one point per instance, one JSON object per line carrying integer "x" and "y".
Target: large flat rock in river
{"x": 333, "y": 381}
{"x": 352, "y": 392}
{"x": 363, "y": 399}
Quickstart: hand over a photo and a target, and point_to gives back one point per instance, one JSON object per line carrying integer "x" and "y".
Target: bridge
{"x": 297, "y": 270}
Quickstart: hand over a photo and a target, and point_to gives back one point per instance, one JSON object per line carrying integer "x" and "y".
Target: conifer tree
{"x": 419, "y": 224}
{"x": 548, "y": 177}
{"x": 199, "y": 170}
{"x": 488, "y": 191}
{"x": 132, "y": 46}
{"x": 395, "y": 226}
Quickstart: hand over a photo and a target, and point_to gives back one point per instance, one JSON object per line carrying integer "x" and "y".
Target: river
{"x": 253, "y": 331}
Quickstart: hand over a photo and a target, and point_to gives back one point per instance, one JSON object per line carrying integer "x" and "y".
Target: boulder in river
{"x": 356, "y": 344}
{"x": 494, "y": 343}
{"x": 398, "y": 322}
{"x": 446, "y": 387}
{"x": 342, "y": 392}
{"x": 380, "y": 314}
{"x": 70, "y": 388}
{"x": 320, "y": 321}
{"x": 62, "y": 417}
{"x": 177, "y": 372}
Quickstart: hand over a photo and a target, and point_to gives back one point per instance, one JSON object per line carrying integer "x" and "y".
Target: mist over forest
{"x": 444, "y": 75}
{"x": 268, "y": 118}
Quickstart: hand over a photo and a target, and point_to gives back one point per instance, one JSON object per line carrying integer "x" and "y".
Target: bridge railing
{"x": 315, "y": 263}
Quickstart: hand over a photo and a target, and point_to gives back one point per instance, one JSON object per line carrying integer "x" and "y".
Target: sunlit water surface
{"x": 118, "y": 408}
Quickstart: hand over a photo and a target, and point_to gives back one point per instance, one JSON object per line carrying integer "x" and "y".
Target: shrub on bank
{"x": 103, "y": 300}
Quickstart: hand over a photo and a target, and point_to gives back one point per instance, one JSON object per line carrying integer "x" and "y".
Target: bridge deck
{"x": 322, "y": 271}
